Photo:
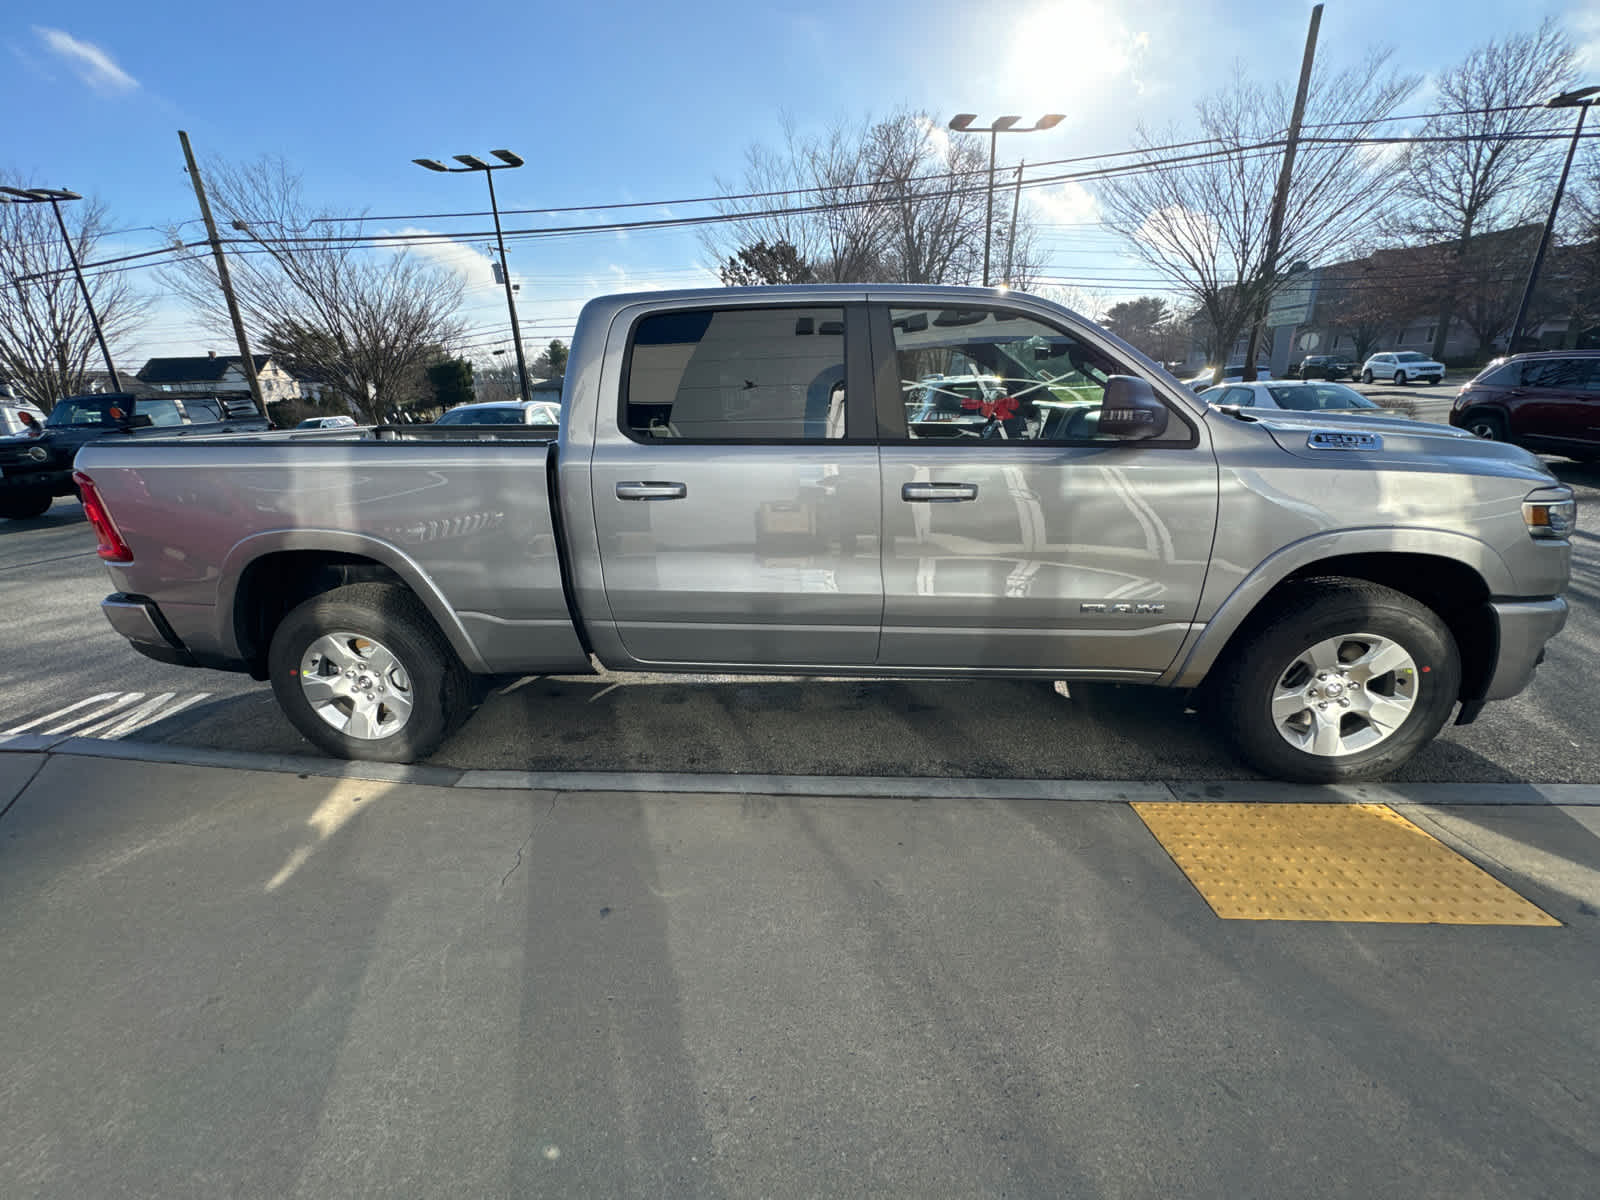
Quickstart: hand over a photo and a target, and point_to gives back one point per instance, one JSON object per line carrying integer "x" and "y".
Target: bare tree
{"x": 1202, "y": 220}
{"x": 896, "y": 200}
{"x": 47, "y": 342}
{"x": 368, "y": 321}
{"x": 1487, "y": 172}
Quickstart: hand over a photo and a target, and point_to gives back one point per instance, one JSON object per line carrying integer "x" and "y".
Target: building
{"x": 220, "y": 375}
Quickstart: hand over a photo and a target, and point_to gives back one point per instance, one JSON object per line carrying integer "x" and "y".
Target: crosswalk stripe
{"x": 110, "y": 715}
{"x": 121, "y": 701}
{"x": 150, "y": 712}
{"x": 61, "y": 712}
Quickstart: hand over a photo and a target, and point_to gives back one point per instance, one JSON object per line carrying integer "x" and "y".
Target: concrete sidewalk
{"x": 225, "y": 981}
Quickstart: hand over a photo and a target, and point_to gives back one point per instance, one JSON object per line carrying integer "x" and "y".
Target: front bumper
{"x": 58, "y": 481}
{"x": 1524, "y": 627}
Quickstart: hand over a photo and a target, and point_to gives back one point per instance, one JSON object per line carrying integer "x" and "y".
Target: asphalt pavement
{"x": 221, "y": 982}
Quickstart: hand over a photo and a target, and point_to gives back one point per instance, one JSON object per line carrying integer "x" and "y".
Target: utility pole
{"x": 223, "y": 277}
{"x": 1011, "y": 235}
{"x": 1580, "y": 99}
{"x": 1280, "y": 199}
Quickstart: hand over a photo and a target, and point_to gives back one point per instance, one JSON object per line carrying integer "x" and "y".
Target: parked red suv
{"x": 1547, "y": 401}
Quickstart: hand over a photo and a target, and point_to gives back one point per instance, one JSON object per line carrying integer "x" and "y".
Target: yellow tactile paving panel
{"x": 1329, "y": 862}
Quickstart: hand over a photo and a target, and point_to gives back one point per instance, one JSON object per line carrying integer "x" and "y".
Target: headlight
{"x": 1550, "y": 513}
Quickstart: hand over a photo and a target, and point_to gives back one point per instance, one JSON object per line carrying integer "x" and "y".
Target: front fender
{"x": 1207, "y": 646}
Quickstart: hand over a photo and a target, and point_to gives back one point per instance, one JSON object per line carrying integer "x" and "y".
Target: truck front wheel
{"x": 1346, "y": 681}
{"x": 363, "y": 672}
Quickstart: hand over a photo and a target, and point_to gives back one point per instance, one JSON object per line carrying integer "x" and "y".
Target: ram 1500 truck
{"x": 764, "y": 480}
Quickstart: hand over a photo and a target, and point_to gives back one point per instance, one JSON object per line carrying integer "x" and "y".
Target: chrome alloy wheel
{"x": 1345, "y": 694}
{"x": 356, "y": 685}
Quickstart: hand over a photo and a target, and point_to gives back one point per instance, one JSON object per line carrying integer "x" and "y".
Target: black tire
{"x": 1490, "y": 426}
{"x": 22, "y": 503}
{"x": 1366, "y": 377}
{"x": 438, "y": 686}
{"x": 1399, "y": 379}
{"x": 1318, "y": 610}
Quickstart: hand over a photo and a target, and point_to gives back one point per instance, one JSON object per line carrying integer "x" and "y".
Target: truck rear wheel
{"x": 363, "y": 672}
{"x": 1346, "y": 681}
{"x": 24, "y": 502}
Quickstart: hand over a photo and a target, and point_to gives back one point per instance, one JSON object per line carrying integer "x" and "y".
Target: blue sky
{"x": 631, "y": 101}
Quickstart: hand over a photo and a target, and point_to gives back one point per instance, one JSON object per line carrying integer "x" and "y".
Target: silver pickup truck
{"x": 890, "y": 481}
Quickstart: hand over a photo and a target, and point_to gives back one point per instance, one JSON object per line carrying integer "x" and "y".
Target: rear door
{"x": 1554, "y": 405}
{"x": 738, "y": 516}
{"x": 1022, "y": 538}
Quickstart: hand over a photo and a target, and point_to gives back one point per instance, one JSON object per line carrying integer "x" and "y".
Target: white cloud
{"x": 1586, "y": 32}
{"x": 1069, "y": 203}
{"x": 1175, "y": 229}
{"x": 473, "y": 266}
{"x": 92, "y": 64}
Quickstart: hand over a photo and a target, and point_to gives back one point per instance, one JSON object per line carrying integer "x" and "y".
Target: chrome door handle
{"x": 938, "y": 493}
{"x": 649, "y": 490}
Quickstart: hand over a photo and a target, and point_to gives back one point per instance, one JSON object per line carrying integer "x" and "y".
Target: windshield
{"x": 482, "y": 416}
{"x": 1409, "y": 356}
{"x": 1319, "y": 397}
{"x": 80, "y": 410}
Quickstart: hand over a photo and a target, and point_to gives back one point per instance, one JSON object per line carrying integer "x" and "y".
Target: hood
{"x": 1381, "y": 441}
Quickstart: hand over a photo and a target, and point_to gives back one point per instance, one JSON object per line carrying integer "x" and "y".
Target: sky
{"x": 627, "y": 102}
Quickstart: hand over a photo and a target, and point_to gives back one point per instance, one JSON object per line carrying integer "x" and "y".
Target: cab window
{"x": 990, "y": 375}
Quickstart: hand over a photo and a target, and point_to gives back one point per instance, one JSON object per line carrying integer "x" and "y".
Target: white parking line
{"x": 110, "y": 715}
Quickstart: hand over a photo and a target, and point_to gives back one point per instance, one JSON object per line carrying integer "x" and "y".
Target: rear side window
{"x": 714, "y": 375}
{"x": 1565, "y": 373}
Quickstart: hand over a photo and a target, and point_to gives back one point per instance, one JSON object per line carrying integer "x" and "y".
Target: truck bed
{"x": 462, "y": 516}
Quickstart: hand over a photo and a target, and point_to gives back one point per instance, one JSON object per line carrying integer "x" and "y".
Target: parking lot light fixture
{"x": 54, "y": 198}
{"x": 471, "y": 162}
{"x": 963, "y": 123}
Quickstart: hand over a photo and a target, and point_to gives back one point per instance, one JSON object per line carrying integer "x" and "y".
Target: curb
{"x": 1092, "y": 791}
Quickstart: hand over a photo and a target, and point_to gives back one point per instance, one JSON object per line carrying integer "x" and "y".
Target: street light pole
{"x": 472, "y": 163}
{"x": 963, "y": 123}
{"x": 54, "y": 196}
{"x": 1580, "y": 99}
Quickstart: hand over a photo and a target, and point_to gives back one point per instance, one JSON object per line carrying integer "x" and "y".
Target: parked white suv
{"x": 1402, "y": 366}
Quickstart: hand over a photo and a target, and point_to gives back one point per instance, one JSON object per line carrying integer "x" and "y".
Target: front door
{"x": 738, "y": 519}
{"x": 1016, "y": 536}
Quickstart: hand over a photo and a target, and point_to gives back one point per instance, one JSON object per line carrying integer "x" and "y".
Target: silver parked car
{"x": 1293, "y": 397}
{"x": 15, "y": 415}
{"x": 503, "y": 412}
{"x": 340, "y": 422}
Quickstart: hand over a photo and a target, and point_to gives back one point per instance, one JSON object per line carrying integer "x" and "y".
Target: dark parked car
{"x": 35, "y": 470}
{"x": 1322, "y": 366}
{"x": 1546, "y": 401}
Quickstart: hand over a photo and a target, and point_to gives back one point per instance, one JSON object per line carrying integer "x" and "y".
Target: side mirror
{"x": 1131, "y": 410}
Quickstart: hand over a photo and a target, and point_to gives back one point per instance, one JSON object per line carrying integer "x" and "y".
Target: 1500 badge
{"x": 1129, "y": 609}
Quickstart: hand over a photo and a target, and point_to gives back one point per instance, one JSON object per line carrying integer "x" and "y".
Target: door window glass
{"x": 1566, "y": 374}
{"x": 160, "y": 412}
{"x": 986, "y": 374}
{"x": 768, "y": 374}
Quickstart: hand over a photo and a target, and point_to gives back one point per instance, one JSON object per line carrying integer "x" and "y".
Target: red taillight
{"x": 112, "y": 548}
